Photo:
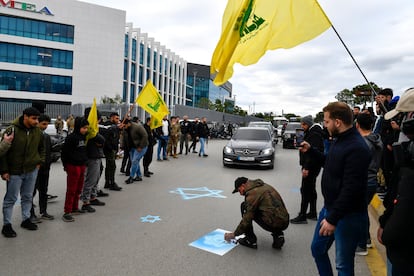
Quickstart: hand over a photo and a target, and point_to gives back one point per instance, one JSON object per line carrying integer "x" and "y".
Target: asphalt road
{"x": 114, "y": 240}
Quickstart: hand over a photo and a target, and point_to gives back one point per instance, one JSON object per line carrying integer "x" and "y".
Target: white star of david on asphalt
{"x": 192, "y": 193}
{"x": 150, "y": 219}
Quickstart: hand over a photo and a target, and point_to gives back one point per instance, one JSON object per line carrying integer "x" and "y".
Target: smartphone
{"x": 300, "y": 135}
{"x": 10, "y": 131}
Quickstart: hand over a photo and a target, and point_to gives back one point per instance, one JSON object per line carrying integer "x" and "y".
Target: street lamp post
{"x": 194, "y": 85}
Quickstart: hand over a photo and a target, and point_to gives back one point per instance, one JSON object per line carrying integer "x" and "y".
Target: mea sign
{"x": 24, "y": 7}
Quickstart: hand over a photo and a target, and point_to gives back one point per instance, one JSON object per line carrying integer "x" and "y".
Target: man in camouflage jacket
{"x": 264, "y": 205}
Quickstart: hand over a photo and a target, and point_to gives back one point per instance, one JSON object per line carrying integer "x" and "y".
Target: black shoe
{"x": 51, "y": 197}
{"x": 35, "y": 219}
{"x": 88, "y": 208}
{"x": 115, "y": 187}
{"x": 96, "y": 202}
{"x": 8, "y": 231}
{"x": 199, "y": 155}
{"x": 278, "y": 241}
{"x": 107, "y": 184}
{"x": 67, "y": 217}
{"x": 312, "y": 216}
{"x": 138, "y": 178}
{"x": 46, "y": 216}
{"x": 122, "y": 170}
{"x": 150, "y": 172}
{"x": 29, "y": 225}
{"x": 300, "y": 219}
{"x": 166, "y": 159}
{"x": 129, "y": 180}
{"x": 147, "y": 174}
{"x": 205, "y": 155}
{"x": 101, "y": 193}
{"x": 246, "y": 242}
{"x": 194, "y": 151}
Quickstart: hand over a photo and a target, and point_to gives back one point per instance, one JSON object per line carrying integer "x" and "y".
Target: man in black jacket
{"x": 310, "y": 171}
{"x": 150, "y": 150}
{"x": 110, "y": 131}
{"x": 42, "y": 180}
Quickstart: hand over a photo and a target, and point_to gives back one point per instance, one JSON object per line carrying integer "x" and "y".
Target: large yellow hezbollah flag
{"x": 93, "y": 122}
{"x": 151, "y": 101}
{"x": 251, "y": 27}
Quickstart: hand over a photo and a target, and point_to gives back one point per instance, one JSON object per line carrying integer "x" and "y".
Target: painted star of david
{"x": 150, "y": 219}
{"x": 192, "y": 193}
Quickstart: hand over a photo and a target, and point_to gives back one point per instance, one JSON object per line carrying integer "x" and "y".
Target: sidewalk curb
{"x": 377, "y": 205}
{"x": 376, "y": 259}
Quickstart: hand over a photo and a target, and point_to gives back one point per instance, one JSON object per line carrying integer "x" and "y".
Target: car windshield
{"x": 251, "y": 134}
{"x": 293, "y": 126}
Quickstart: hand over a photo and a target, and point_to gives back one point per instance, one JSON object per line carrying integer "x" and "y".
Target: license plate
{"x": 246, "y": 158}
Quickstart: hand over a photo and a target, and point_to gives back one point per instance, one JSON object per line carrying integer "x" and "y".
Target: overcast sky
{"x": 301, "y": 80}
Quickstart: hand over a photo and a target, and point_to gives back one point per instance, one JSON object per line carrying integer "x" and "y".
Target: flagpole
{"x": 128, "y": 113}
{"x": 382, "y": 107}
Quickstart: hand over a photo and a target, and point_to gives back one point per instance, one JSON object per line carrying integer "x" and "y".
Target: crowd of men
{"x": 364, "y": 151}
{"x": 361, "y": 154}
{"x": 26, "y": 169}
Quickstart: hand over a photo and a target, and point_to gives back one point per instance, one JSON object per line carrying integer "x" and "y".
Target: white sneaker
{"x": 361, "y": 251}
{"x": 369, "y": 243}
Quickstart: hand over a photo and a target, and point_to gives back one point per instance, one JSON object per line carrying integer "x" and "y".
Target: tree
{"x": 204, "y": 103}
{"x": 360, "y": 94}
{"x": 107, "y": 100}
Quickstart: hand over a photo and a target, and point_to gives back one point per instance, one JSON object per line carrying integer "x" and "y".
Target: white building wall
{"x": 97, "y": 50}
{"x": 169, "y": 79}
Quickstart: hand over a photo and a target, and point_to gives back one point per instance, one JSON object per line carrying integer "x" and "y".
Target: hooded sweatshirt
{"x": 375, "y": 145}
{"x": 74, "y": 150}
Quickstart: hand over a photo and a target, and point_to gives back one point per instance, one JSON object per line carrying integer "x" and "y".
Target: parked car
{"x": 269, "y": 126}
{"x": 250, "y": 146}
{"x": 289, "y": 135}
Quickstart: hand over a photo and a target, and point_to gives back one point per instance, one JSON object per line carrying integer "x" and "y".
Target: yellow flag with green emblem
{"x": 251, "y": 27}
{"x": 152, "y": 102}
{"x": 155, "y": 122}
{"x": 93, "y": 122}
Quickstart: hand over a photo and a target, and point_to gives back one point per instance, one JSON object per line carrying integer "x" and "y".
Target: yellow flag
{"x": 251, "y": 27}
{"x": 155, "y": 122}
{"x": 93, "y": 122}
{"x": 151, "y": 101}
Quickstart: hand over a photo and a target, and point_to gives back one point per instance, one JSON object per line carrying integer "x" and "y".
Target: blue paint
{"x": 150, "y": 219}
{"x": 214, "y": 242}
{"x": 192, "y": 193}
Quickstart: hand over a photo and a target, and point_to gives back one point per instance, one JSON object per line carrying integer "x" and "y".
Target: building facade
{"x": 201, "y": 89}
{"x": 148, "y": 60}
{"x": 59, "y": 53}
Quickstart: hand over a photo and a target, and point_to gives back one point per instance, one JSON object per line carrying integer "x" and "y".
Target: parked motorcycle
{"x": 57, "y": 142}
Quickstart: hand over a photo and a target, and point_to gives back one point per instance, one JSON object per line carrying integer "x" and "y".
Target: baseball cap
{"x": 238, "y": 182}
{"x": 405, "y": 104}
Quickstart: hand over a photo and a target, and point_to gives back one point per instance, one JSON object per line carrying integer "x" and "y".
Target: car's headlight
{"x": 227, "y": 150}
{"x": 267, "y": 151}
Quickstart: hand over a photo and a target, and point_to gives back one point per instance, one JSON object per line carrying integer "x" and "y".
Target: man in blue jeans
{"x": 19, "y": 167}
{"x": 344, "y": 188}
{"x": 138, "y": 144}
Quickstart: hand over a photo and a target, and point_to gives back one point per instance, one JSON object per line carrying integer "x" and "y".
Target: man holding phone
{"x": 19, "y": 167}
{"x": 312, "y": 133}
